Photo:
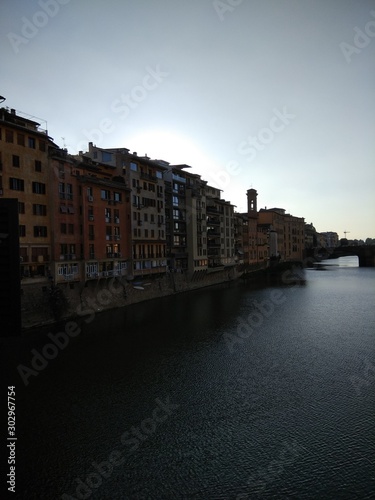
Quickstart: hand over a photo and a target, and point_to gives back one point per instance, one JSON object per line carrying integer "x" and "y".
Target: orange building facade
{"x": 24, "y": 175}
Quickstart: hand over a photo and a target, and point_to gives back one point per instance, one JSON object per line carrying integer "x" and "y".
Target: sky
{"x": 277, "y": 95}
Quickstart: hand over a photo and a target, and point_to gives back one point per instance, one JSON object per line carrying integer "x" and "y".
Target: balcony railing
{"x": 149, "y": 177}
{"x": 68, "y": 256}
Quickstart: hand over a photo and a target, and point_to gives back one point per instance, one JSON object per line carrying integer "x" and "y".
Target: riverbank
{"x": 43, "y": 305}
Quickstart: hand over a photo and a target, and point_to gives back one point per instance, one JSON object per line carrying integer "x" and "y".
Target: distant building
{"x": 311, "y": 238}
{"x": 146, "y": 180}
{"x": 331, "y": 239}
{"x": 220, "y": 230}
{"x": 24, "y": 175}
{"x": 91, "y": 210}
{"x": 241, "y": 238}
{"x": 289, "y": 241}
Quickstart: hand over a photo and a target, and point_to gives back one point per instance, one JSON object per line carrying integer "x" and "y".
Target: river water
{"x": 238, "y": 391}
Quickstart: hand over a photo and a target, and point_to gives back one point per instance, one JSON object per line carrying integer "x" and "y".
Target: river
{"x": 238, "y": 391}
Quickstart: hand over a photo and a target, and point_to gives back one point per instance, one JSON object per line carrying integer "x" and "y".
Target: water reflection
{"x": 293, "y": 383}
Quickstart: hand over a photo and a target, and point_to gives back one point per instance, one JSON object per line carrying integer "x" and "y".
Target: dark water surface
{"x": 233, "y": 392}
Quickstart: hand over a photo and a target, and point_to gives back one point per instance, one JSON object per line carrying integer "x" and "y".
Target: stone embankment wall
{"x": 42, "y": 304}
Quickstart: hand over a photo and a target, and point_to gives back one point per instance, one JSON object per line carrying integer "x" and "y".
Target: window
{"x": 106, "y": 156}
{"x": 38, "y": 166}
{"x": 15, "y": 161}
{"x": 117, "y": 196}
{"x": 63, "y": 228}
{"x": 71, "y": 228}
{"x": 42, "y": 146}
{"x": 175, "y": 200}
{"x": 39, "y": 188}
{"x": 108, "y": 214}
{"x": 16, "y": 184}
{"x": 40, "y": 231}
{"x": 92, "y": 252}
{"x": 133, "y": 166}
{"x": 91, "y": 232}
{"x": 8, "y": 136}
{"x": 159, "y": 175}
{"x": 31, "y": 142}
{"x": 39, "y": 209}
{"x": 152, "y": 233}
{"x": 22, "y": 231}
{"x": 21, "y": 207}
{"x": 20, "y": 139}
{"x": 69, "y": 192}
{"x": 105, "y": 194}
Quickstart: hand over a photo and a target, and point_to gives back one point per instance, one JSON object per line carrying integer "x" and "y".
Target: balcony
{"x": 213, "y": 244}
{"x": 91, "y": 218}
{"x": 108, "y": 219}
{"x": 68, "y": 256}
{"x": 211, "y": 209}
{"x": 117, "y": 237}
{"x": 108, "y": 237}
{"x": 117, "y": 220}
{"x": 149, "y": 177}
{"x": 178, "y": 178}
{"x": 215, "y": 221}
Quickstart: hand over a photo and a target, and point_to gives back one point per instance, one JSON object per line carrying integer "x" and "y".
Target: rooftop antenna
{"x": 345, "y": 232}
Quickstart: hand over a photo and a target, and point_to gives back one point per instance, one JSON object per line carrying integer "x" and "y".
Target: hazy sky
{"x": 277, "y": 95}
